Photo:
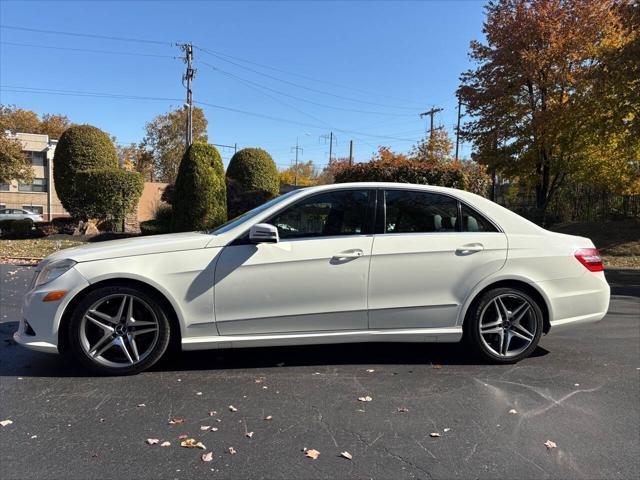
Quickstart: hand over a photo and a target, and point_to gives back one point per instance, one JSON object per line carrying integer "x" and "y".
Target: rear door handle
{"x": 469, "y": 248}
{"x": 355, "y": 253}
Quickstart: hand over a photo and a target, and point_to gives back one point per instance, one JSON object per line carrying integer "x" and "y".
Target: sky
{"x": 269, "y": 73}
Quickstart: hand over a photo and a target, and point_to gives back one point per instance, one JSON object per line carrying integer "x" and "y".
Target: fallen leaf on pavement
{"x": 183, "y": 436}
{"x": 176, "y": 421}
{"x": 213, "y": 429}
{"x": 268, "y": 417}
{"x": 402, "y": 409}
{"x": 152, "y": 441}
{"x": 191, "y": 443}
{"x": 513, "y": 411}
{"x": 365, "y": 399}
{"x": 232, "y": 408}
{"x": 198, "y": 393}
{"x": 141, "y": 405}
{"x": 248, "y": 434}
{"x": 346, "y": 455}
{"x": 370, "y": 370}
{"x": 205, "y": 427}
{"x": 434, "y": 434}
{"x": 207, "y": 457}
{"x": 311, "y": 453}
{"x": 232, "y": 451}
{"x": 4, "y": 423}
{"x": 549, "y": 444}
{"x": 165, "y": 444}
{"x": 437, "y": 366}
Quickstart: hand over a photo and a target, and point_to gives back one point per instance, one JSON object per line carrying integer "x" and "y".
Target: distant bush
{"x": 108, "y": 194}
{"x": 200, "y": 194}
{"x": 252, "y": 178}
{"x": 167, "y": 194}
{"x": 5, "y": 226}
{"x": 65, "y": 225}
{"x": 47, "y": 228}
{"x": 81, "y": 147}
{"x": 445, "y": 174}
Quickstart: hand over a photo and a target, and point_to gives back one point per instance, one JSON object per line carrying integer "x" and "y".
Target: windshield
{"x": 234, "y": 222}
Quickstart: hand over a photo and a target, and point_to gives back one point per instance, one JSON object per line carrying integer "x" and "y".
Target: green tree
{"x": 14, "y": 163}
{"x": 200, "y": 196}
{"x": 81, "y": 147}
{"x": 252, "y": 179}
{"x": 533, "y": 73}
{"x": 165, "y": 139}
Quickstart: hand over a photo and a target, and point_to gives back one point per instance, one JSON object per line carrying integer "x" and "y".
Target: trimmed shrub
{"x": 445, "y": 174}
{"x": 252, "y": 178}
{"x": 81, "y": 147}
{"x": 163, "y": 214}
{"x": 200, "y": 194}
{"x": 107, "y": 194}
{"x": 167, "y": 194}
{"x": 154, "y": 227}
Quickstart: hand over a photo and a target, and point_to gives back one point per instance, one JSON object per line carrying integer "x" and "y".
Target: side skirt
{"x": 444, "y": 335}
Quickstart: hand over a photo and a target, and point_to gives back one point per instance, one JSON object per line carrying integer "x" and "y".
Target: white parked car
{"x": 19, "y": 214}
{"x": 356, "y": 262}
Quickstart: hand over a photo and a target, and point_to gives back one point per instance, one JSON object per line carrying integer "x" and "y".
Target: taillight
{"x": 590, "y": 258}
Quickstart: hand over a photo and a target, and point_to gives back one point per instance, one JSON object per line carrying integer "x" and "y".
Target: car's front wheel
{"x": 118, "y": 330}
{"x": 504, "y": 325}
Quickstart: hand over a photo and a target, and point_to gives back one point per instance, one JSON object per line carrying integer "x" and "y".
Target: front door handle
{"x": 355, "y": 253}
{"x": 469, "y": 248}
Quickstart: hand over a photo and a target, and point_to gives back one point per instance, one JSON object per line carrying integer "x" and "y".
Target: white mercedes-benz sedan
{"x": 359, "y": 262}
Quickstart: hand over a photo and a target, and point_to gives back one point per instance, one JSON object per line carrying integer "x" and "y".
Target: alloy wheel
{"x": 119, "y": 331}
{"x": 508, "y": 325}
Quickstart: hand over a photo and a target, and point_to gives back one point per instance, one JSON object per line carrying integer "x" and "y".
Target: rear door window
{"x": 419, "y": 212}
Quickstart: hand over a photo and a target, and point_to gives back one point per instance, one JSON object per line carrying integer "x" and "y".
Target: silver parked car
{"x": 19, "y": 214}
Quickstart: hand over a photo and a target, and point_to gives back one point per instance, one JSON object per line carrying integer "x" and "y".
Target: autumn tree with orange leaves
{"x": 544, "y": 84}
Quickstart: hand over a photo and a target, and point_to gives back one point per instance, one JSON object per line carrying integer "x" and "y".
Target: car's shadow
{"x": 15, "y": 361}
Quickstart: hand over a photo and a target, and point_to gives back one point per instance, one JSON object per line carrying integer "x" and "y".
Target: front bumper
{"x": 44, "y": 317}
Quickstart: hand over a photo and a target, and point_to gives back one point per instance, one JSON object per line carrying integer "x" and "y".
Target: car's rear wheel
{"x": 118, "y": 330}
{"x": 504, "y": 325}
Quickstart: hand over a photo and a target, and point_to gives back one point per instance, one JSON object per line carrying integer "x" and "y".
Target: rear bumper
{"x": 578, "y": 301}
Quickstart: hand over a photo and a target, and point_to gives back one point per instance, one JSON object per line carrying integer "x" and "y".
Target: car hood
{"x": 133, "y": 246}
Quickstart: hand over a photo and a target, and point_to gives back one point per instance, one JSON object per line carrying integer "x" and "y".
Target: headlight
{"x": 52, "y": 271}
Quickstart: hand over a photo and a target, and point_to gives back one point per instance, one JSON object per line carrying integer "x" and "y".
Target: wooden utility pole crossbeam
{"x": 431, "y": 113}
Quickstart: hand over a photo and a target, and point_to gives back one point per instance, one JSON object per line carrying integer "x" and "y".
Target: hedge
{"x": 200, "y": 194}
{"x": 154, "y": 227}
{"x": 81, "y": 147}
{"x": 446, "y": 174}
{"x": 107, "y": 193}
{"x": 252, "y": 178}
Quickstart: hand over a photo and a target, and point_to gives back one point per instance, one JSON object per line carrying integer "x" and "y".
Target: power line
{"x": 85, "y": 35}
{"x": 88, "y": 50}
{"x": 46, "y": 91}
{"x": 303, "y": 99}
{"x": 297, "y": 85}
{"x": 214, "y": 52}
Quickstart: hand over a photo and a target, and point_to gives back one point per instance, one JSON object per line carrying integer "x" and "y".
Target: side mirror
{"x": 263, "y": 233}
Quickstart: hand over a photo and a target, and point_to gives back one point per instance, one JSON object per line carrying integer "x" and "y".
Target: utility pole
{"x": 431, "y": 113}
{"x": 331, "y": 138}
{"x": 187, "y": 48}
{"x": 458, "y": 127}
{"x": 297, "y": 149}
{"x": 350, "y": 152}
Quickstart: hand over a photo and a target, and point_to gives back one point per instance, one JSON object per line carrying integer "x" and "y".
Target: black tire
{"x": 483, "y": 304}
{"x": 142, "y": 296}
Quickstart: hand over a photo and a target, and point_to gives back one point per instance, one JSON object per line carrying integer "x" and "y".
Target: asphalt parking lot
{"x": 579, "y": 390}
